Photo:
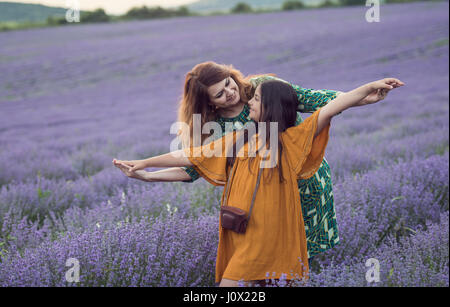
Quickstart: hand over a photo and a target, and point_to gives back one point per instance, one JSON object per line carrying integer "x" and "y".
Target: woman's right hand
{"x": 134, "y": 165}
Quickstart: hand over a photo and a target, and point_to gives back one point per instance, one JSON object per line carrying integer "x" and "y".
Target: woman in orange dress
{"x": 275, "y": 241}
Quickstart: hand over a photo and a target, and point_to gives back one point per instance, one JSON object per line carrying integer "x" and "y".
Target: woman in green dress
{"x": 220, "y": 93}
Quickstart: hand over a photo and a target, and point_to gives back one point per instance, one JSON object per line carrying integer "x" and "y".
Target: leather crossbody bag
{"x": 233, "y": 218}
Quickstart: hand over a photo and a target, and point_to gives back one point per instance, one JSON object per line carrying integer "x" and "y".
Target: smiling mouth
{"x": 232, "y": 98}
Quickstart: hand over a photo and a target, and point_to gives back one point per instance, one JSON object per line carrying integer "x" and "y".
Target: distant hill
{"x": 21, "y": 12}
{"x": 205, "y": 6}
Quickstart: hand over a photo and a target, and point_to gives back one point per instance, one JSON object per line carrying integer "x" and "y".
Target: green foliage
{"x": 352, "y": 2}
{"x": 145, "y": 12}
{"x": 183, "y": 11}
{"x": 43, "y": 194}
{"x": 9, "y": 26}
{"x": 54, "y": 21}
{"x": 98, "y": 15}
{"x": 327, "y": 3}
{"x": 292, "y": 5}
{"x": 242, "y": 7}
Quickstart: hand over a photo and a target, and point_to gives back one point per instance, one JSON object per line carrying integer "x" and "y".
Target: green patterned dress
{"x": 316, "y": 193}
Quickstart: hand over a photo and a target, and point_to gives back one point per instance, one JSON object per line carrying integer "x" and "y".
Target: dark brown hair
{"x": 278, "y": 104}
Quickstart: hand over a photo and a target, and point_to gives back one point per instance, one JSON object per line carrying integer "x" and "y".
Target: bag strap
{"x": 254, "y": 192}
{"x": 228, "y": 184}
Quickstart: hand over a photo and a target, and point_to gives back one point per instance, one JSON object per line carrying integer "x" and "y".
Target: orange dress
{"x": 275, "y": 240}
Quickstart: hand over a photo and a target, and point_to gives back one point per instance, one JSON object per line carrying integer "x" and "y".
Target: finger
{"x": 125, "y": 166}
{"x": 117, "y": 164}
{"x": 395, "y": 81}
{"x": 386, "y": 86}
{"x": 122, "y": 168}
{"x": 395, "y": 85}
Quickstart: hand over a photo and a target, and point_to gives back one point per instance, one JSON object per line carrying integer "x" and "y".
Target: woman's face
{"x": 224, "y": 94}
{"x": 255, "y": 105}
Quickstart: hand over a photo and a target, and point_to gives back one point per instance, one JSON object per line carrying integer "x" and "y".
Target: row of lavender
{"x": 398, "y": 216}
{"x": 67, "y": 110}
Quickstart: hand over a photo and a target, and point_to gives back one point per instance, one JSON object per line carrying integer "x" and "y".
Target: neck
{"x": 232, "y": 111}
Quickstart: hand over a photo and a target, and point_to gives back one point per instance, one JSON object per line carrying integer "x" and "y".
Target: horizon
{"x": 116, "y": 7}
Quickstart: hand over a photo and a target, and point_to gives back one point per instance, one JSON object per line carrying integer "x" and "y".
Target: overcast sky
{"x": 110, "y": 6}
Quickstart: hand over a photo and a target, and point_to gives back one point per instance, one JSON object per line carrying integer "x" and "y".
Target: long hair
{"x": 195, "y": 99}
{"x": 278, "y": 104}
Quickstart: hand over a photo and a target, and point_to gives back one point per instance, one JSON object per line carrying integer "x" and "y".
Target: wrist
{"x": 148, "y": 177}
{"x": 359, "y": 94}
{"x": 368, "y": 88}
{"x": 147, "y": 162}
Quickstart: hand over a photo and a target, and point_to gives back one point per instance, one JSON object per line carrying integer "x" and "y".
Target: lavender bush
{"x": 172, "y": 251}
{"x": 419, "y": 260}
{"x": 74, "y": 98}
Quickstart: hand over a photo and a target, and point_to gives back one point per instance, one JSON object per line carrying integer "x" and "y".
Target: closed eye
{"x": 221, "y": 92}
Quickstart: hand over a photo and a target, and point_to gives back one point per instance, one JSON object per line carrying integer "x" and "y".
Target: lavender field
{"x": 72, "y": 98}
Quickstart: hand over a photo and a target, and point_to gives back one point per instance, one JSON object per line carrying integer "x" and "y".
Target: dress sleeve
{"x": 191, "y": 172}
{"x": 210, "y": 161}
{"x": 309, "y": 100}
{"x": 305, "y": 152}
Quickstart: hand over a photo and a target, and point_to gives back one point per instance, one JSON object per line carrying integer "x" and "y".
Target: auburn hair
{"x": 195, "y": 99}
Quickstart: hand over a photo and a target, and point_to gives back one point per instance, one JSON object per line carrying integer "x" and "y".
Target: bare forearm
{"x": 167, "y": 175}
{"x": 171, "y": 159}
{"x": 342, "y": 102}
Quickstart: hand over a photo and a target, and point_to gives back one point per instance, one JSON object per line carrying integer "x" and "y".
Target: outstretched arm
{"x": 369, "y": 93}
{"x": 171, "y": 159}
{"x": 165, "y": 175}
{"x": 185, "y": 174}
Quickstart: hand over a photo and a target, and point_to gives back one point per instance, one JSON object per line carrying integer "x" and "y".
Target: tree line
{"x": 145, "y": 12}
